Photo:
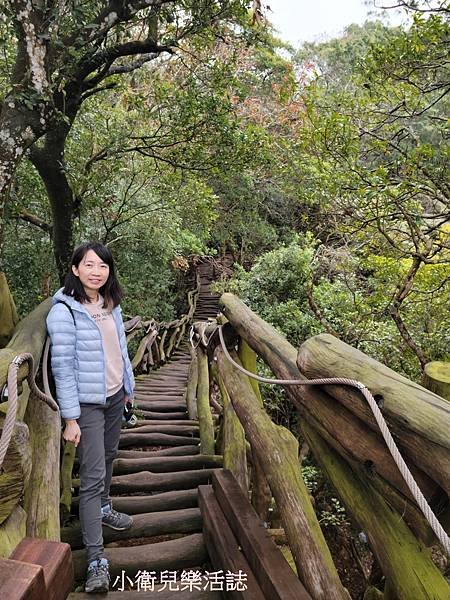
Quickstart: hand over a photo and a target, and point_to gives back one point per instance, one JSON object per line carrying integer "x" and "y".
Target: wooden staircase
{"x": 155, "y": 478}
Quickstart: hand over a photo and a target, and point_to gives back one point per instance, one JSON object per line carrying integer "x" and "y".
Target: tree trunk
{"x": 277, "y": 451}
{"x": 192, "y": 385}
{"x": 12, "y": 531}
{"x": 49, "y": 162}
{"x": 15, "y": 470}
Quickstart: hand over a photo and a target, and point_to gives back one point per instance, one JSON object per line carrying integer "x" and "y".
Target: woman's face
{"x": 92, "y": 271}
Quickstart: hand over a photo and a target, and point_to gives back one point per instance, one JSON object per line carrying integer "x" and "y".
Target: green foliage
{"x": 352, "y": 294}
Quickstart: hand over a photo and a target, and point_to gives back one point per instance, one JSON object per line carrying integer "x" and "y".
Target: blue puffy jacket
{"x": 78, "y": 357}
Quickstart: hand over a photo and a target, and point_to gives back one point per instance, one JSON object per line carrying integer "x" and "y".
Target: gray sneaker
{"x": 97, "y": 577}
{"x": 115, "y": 520}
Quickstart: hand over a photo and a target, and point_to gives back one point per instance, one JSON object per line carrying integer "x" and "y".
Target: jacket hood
{"x": 70, "y": 300}
{"x": 74, "y": 304}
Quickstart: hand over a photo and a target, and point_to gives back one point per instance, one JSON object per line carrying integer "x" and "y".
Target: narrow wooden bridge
{"x": 187, "y": 469}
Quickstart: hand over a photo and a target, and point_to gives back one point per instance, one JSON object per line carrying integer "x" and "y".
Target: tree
{"x": 374, "y": 147}
{"x": 64, "y": 54}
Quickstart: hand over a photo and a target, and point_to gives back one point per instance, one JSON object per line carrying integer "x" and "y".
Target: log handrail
{"x": 393, "y": 448}
{"x": 160, "y": 339}
{"x": 316, "y": 408}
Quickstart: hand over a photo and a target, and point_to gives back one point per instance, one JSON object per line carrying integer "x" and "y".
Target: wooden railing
{"x": 158, "y": 340}
{"x": 346, "y": 442}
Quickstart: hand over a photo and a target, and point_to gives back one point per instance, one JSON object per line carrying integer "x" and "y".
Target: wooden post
{"x": 277, "y": 451}
{"x": 261, "y": 494}
{"x": 15, "y": 471}
{"x": 405, "y": 562}
{"x": 66, "y": 477}
{"x": 7, "y": 310}
{"x": 234, "y": 447}
{"x": 12, "y": 531}
{"x": 203, "y": 408}
{"x": 192, "y": 385}
{"x": 41, "y": 500}
{"x": 436, "y": 377}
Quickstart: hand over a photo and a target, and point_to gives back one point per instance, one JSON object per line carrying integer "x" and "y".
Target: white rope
{"x": 402, "y": 466}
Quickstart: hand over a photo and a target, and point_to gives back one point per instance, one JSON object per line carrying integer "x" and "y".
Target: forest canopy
{"x": 184, "y": 128}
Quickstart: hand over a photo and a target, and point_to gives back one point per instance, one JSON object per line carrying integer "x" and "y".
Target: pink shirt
{"x": 113, "y": 356}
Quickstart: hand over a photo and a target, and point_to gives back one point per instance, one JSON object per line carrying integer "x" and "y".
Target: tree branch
{"x": 26, "y": 216}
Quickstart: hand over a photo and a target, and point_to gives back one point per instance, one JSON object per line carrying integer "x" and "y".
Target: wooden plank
{"x": 56, "y": 560}
{"x": 21, "y": 581}
{"x": 272, "y": 571}
{"x": 222, "y": 546}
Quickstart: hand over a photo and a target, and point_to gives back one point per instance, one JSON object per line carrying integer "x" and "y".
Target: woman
{"x": 94, "y": 379}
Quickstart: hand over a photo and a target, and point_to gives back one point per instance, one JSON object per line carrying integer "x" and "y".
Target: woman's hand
{"x": 72, "y": 432}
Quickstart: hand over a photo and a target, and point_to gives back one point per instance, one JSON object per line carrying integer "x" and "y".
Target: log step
{"x": 163, "y": 405}
{"x": 182, "y": 553}
{"x": 133, "y": 505}
{"x": 149, "y": 414}
{"x": 145, "y": 481}
{"x": 157, "y": 422}
{"x": 185, "y": 520}
{"x": 175, "y": 451}
{"x": 160, "y": 428}
{"x": 156, "y": 439}
{"x": 166, "y": 464}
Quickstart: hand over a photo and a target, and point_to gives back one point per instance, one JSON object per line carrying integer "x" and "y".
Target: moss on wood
{"x": 277, "y": 451}
{"x": 404, "y": 561}
{"x": 203, "y": 407}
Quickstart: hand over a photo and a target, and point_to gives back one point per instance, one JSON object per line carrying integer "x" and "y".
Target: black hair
{"x": 112, "y": 292}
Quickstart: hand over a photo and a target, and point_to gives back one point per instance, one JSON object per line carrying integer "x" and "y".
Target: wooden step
{"x": 184, "y": 520}
{"x": 273, "y": 573}
{"x": 145, "y": 481}
{"x": 182, "y": 553}
{"x": 133, "y": 505}
{"x": 175, "y": 451}
{"x": 162, "y": 405}
{"x": 156, "y": 439}
{"x": 166, "y": 464}
{"x": 21, "y": 580}
{"x": 188, "y": 430}
{"x": 143, "y": 422}
{"x": 150, "y": 414}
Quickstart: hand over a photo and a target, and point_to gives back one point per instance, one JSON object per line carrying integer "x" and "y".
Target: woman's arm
{"x": 62, "y": 332}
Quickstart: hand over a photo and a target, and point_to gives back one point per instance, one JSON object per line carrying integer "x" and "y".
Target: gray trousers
{"x": 100, "y": 430}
